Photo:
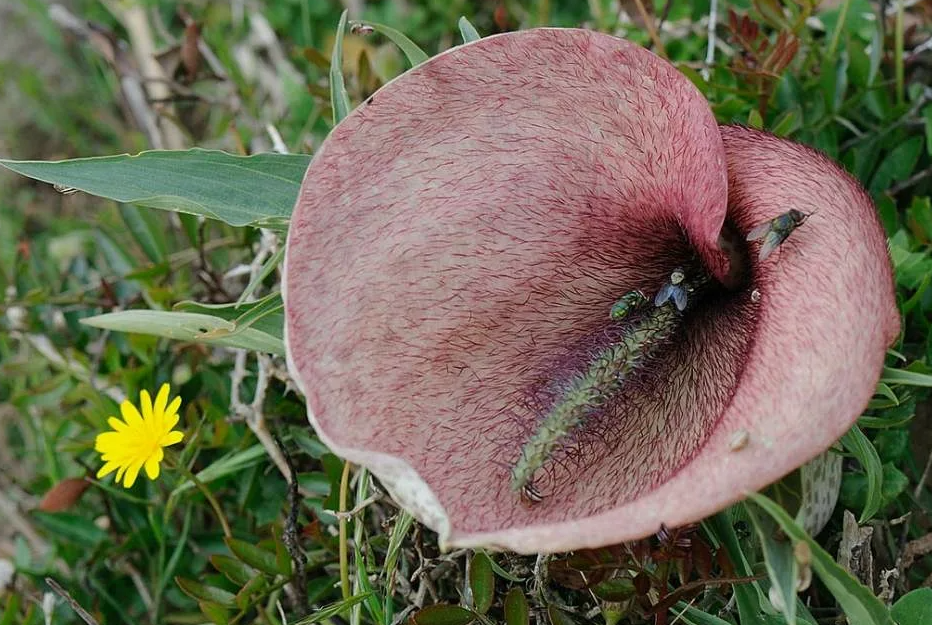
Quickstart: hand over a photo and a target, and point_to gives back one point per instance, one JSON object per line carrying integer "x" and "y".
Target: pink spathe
{"x": 459, "y": 241}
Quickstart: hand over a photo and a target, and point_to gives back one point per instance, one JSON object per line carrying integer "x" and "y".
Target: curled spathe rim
{"x": 457, "y": 245}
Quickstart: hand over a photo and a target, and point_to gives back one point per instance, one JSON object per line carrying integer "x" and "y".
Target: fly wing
{"x": 679, "y": 298}
{"x": 759, "y": 231}
{"x": 772, "y": 242}
{"x": 663, "y": 294}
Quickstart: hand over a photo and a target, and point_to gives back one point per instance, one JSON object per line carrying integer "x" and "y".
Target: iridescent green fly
{"x": 628, "y": 302}
{"x": 775, "y": 231}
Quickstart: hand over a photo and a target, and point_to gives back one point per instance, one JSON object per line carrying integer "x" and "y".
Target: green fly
{"x": 628, "y": 302}
{"x": 775, "y": 231}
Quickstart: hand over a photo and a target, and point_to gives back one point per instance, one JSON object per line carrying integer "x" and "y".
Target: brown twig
{"x": 61, "y": 592}
{"x": 651, "y": 29}
{"x": 290, "y": 533}
{"x": 134, "y": 19}
{"x": 902, "y": 186}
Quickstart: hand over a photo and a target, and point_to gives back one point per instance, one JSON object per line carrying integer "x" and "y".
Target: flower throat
{"x": 645, "y": 324}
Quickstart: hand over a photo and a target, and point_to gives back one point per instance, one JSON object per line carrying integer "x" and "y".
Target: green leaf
{"x": 859, "y": 445}
{"x": 694, "y": 616}
{"x": 755, "y": 120}
{"x": 907, "y": 378}
{"x": 147, "y": 232}
{"x": 835, "y": 81}
{"x": 414, "y": 54}
{"x": 898, "y": 165}
{"x": 857, "y": 601}
{"x": 892, "y": 445}
{"x": 267, "y": 268}
{"x": 203, "y": 592}
{"x": 443, "y": 615}
{"x": 216, "y": 613}
{"x": 854, "y": 487}
{"x": 266, "y": 314}
{"x": 469, "y": 32}
{"x": 180, "y": 547}
{"x": 251, "y": 592}
{"x": 505, "y": 574}
{"x": 558, "y": 616}
{"x": 516, "y": 608}
{"x": 11, "y": 614}
{"x": 254, "y": 556}
{"x": 402, "y": 526}
{"x": 339, "y": 99}
{"x": 920, "y": 211}
{"x": 927, "y": 116}
{"x": 192, "y": 327}
{"x": 240, "y": 190}
{"x": 914, "y": 608}
{"x": 885, "y": 391}
{"x": 782, "y": 567}
{"x": 282, "y": 557}
{"x": 615, "y": 590}
{"x": 750, "y": 598}
{"x": 481, "y": 582}
{"x": 371, "y": 604}
{"x": 787, "y": 123}
{"x": 400, "y": 530}
{"x": 332, "y": 610}
{"x": 66, "y": 526}
{"x": 234, "y": 570}
{"x": 231, "y": 464}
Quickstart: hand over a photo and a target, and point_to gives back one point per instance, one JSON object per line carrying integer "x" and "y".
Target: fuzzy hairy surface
{"x": 459, "y": 240}
{"x": 593, "y": 389}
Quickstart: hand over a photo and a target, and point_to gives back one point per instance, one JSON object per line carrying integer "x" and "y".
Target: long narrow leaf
{"x": 782, "y": 567}
{"x": 333, "y": 609}
{"x": 267, "y": 268}
{"x": 240, "y": 190}
{"x": 857, "y": 602}
{"x": 414, "y": 54}
{"x": 339, "y": 99}
{"x": 858, "y": 444}
{"x": 468, "y": 31}
{"x": 191, "y": 327}
{"x": 907, "y": 378}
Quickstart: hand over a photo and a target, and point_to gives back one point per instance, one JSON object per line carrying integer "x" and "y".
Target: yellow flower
{"x": 138, "y": 439}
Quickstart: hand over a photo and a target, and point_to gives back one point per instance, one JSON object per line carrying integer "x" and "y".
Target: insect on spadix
{"x": 775, "y": 231}
{"x": 530, "y": 495}
{"x": 674, "y": 290}
{"x": 628, "y": 302}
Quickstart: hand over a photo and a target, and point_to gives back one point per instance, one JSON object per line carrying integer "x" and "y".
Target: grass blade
{"x": 468, "y": 31}
{"x": 856, "y": 600}
{"x": 411, "y": 50}
{"x": 339, "y": 99}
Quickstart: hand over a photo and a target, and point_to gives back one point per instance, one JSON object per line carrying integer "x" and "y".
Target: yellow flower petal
{"x": 171, "y": 420}
{"x": 136, "y": 443}
{"x": 161, "y": 400}
{"x": 173, "y": 407}
{"x": 171, "y": 438}
{"x": 132, "y": 472}
{"x": 145, "y": 403}
{"x": 116, "y": 424}
{"x": 152, "y": 467}
{"x": 131, "y": 414}
{"x": 107, "y": 469}
{"x": 106, "y": 441}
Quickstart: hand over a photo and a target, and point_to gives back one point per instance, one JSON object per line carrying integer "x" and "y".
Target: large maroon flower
{"x": 460, "y": 239}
